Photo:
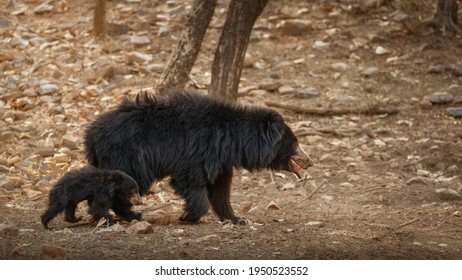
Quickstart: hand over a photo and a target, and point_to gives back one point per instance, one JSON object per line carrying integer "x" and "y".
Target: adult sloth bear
{"x": 197, "y": 141}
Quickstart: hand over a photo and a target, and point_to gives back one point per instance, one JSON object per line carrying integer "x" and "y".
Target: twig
{"x": 161, "y": 206}
{"x": 314, "y": 191}
{"x": 407, "y": 223}
{"x": 333, "y": 112}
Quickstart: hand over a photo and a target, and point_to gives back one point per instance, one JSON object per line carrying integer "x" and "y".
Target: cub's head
{"x": 127, "y": 188}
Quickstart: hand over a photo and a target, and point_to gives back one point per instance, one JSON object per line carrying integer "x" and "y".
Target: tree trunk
{"x": 229, "y": 56}
{"x": 99, "y": 20}
{"x": 446, "y": 16}
{"x": 183, "y": 57}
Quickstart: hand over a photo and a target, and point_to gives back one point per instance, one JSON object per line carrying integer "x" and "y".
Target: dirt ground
{"x": 372, "y": 193}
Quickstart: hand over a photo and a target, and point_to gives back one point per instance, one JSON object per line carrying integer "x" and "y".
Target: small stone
{"x": 45, "y": 151}
{"x": 320, "y": 45}
{"x": 12, "y": 160}
{"x": 61, "y": 158}
{"x": 448, "y": 194}
{"x": 339, "y": 66}
{"x": 70, "y": 141}
{"x": 269, "y": 85}
{"x": 47, "y": 89}
{"x": 440, "y": 98}
{"x": 211, "y": 240}
{"x": 457, "y": 213}
{"x": 288, "y": 186}
{"x": 8, "y": 229}
{"x": 455, "y": 112}
{"x": 370, "y": 71}
{"x": 457, "y": 70}
{"x": 7, "y": 135}
{"x": 286, "y": 89}
{"x": 15, "y": 182}
{"x": 43, "y": 8}
{"x": 50, "y": 252}
{"x": 5, "y": 23}
{"x": 296, "y": 27}
{"x": 138, "y": 57}
{"x": 163, "y": 31}
{"x": 381, "y": 51}
{"x": 425, "y": 104}
{"x": 140, "y": 40}
{"x": 315, "y": 223}
{"x": 140, "y": 228}
{"x": 34, "y": 195}
{"x": 18, "y": 251}
{"x": 436, "y": 69}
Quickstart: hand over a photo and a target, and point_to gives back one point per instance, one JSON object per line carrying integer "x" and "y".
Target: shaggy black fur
{"x": 194, "y": 139}
{"x": 103, "y": 189}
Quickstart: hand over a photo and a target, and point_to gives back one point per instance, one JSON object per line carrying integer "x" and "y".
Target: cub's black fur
{"x": 103, "y": 189}
{"x": 194, "y": 139}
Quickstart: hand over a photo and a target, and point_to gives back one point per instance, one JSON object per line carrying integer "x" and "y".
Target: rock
{"x": 457, "y": 70}
{"x": 320, "y": 45}
{"x": 47, "y": 89}
{"x": 33, "y": 195}
{"x": 455, "y": 112}
{"x": 4, "y": 23}
{"x": 425, "y": 104}
{"x": 211, "y": 240}
{"x": 46, "y": 151}
{"x": 61, "y": 158}
{"x": 8, "y": 229}
{"x": 50, "y": 252}
{"x": 70, "y": 141}
{"x": 288, "y": 186}
{"x": 138, "y": 57}
{"x": 440, "y": 98}
{"x": 15, "y": 182}
{"x": 163, "y": 31}
{"x": 339, "y": 66}
{"x": 18, "y": 42}
{"x": 139, "y": 41}
{"x": 18, "y": 251}
{"x": 296, "y": 27}
{"x": 315, "y": 223}
{"x": 43, "y": 8}
{"x": 13, "y": 160}
{"x": 286, "y": 89}
{"x": 381, "y": 50}
{"x": 269, "y": 85}
{"x": 436, "y": 69}
{"x": 140, "y": 228}
{"x": 370, "y": 71}
{"x": 448, "y": 194}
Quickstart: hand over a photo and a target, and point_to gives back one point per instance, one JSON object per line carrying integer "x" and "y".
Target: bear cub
{"x": 103, "y": 189}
